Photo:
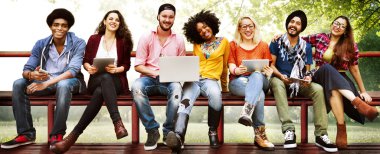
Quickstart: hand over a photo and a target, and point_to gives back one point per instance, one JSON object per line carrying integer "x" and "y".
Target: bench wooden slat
{"x": 125, "y": 100}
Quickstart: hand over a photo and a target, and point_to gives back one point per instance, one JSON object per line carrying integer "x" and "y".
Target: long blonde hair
{"x": 256, "y": 37}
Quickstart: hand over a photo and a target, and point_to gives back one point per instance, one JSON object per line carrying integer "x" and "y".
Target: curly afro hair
{"x": 190, "y": 27}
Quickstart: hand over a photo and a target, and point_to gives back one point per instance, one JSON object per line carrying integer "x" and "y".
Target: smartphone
{"x": 43, "y": 71}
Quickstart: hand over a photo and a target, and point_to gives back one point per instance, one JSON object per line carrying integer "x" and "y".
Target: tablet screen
{"x": 255, "y": 64}
{"x": 101, "y": 63}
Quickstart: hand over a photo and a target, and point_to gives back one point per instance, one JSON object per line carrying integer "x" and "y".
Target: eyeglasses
{"x": 245, "y": 27}
{"x": 339, "y": 25}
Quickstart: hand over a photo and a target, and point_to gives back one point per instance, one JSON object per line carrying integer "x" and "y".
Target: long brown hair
{"x": 122, "y": 32}
{"x": 344, "y": 49}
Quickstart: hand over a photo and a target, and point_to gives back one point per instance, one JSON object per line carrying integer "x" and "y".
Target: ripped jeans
{"x": 148, "y": 86}
{"x": 206, "y": 87}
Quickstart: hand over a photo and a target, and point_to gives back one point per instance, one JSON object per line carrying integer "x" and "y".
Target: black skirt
{"x": 331, "y": 79}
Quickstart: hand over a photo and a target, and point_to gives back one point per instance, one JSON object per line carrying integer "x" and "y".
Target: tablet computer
{"x": 293, "y": 79}
{"x": 255, "y": 64}
{"x": 101, "y": 63}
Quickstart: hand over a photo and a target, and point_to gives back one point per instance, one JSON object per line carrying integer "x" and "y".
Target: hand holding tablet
{"x": 101, "y": 63}
{"x": 293, "y": 79}
{"x": 255, "y": 64}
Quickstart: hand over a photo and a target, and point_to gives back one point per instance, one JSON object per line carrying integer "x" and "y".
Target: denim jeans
{"x": 314, "y": 91}
{"x": 208, "y": 88}
{"x": 63, "y": 91}
{"x": 252, "y": 88}
{"x": 147, "y": 86}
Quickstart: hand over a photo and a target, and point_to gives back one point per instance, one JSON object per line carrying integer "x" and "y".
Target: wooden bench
{"x": 126, "y": 100}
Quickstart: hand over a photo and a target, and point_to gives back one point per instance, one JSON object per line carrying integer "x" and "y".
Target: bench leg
{"x": 50, "y": 111}
{"x": 135, "y": 125}
{"x": 221, "y": 127}
{"x": 304, "y": 108}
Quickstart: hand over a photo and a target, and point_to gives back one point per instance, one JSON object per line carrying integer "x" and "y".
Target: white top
{"x": 102, "y": 50}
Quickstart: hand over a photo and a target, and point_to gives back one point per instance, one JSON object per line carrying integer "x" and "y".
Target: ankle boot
{"x": 341, "y": 136}
{"x": 175, "y": 140}
{"x": 65, "y": 144}
{"x": 120, "y": 130}
{"x": 246, "y": 114}
{"x": 363, "y": 108}
{"x": 261, "y": 139}
{"x": 213, "y": 122}
{"x": 213, "y": 137}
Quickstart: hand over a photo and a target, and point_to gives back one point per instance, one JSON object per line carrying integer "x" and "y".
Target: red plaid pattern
{"x": 321, "y": 42}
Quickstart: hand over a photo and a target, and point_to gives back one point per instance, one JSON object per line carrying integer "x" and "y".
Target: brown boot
{"x": 261, "y": 139}
{"x": 65, "y": 144}
{"x": 120, "y": 129}
{"x": 341, "y": 136}
{"x": 363, "y": 108}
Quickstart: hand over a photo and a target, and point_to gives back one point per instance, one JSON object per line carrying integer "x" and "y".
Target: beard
{"x": 163, "y": 27}
{"x": 294, "y": 34}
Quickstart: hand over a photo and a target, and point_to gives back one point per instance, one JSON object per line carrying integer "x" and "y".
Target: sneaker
{"x": 325, "y": 143}
{"x": 151, "y": 141}
{"x": 290, "y": 139}
{"x": 18, "y": 141}
{"x": 55, "y": 138}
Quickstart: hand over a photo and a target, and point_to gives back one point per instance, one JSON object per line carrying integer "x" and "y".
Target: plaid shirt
{"x": 321, "y": 43}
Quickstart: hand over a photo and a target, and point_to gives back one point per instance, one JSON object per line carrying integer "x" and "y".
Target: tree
{"x": 271, "y": 14}
{"x": 370, "y": 67}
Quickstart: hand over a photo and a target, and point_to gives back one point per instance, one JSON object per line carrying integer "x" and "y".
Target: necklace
{"x": 107, "y": 46}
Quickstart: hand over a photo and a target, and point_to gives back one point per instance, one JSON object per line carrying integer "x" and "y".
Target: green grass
{"x": 102, "y": 132}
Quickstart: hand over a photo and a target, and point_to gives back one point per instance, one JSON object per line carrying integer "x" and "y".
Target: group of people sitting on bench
{"x": 54, "y": 67}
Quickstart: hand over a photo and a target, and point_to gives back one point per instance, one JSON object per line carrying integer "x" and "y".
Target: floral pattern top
{"x": 209, "y": 48}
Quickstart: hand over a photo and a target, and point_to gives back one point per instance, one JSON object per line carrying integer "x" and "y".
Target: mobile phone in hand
{"x": 43, "y": 71}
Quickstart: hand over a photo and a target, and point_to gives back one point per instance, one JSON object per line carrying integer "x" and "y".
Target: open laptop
{"x": 179, "y": 68}
{"x": 255, "y": 64}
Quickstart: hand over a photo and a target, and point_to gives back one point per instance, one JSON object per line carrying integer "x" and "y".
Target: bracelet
{"x": 235, "y": 71}
{"x": 310, "y": 73}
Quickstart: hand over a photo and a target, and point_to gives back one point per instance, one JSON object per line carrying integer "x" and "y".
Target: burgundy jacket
{"x": 123, "y": 57}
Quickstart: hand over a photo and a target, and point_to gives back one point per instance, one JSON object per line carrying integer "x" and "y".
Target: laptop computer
{"x": 179, "y": 69}
{"x": 255, "y": 64}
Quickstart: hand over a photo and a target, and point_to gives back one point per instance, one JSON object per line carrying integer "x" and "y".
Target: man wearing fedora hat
{"x": 292, "y": 58}
{"x": 52, "y": 68}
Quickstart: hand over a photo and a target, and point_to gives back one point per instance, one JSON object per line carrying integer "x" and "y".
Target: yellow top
{"x": 215, "y": 67}
{"x": 327, "y": 56}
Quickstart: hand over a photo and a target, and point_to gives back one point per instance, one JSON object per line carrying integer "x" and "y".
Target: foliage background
{"x": 141, "y": 15}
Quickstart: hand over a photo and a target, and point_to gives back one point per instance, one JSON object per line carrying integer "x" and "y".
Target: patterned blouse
{"x": 209, "y": 48}
{"x": 321, "y": 43}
